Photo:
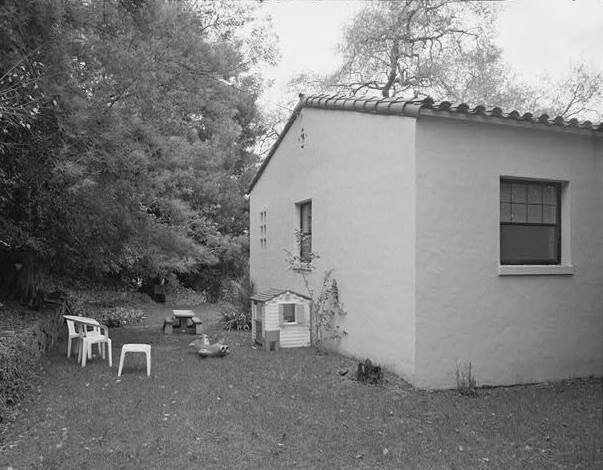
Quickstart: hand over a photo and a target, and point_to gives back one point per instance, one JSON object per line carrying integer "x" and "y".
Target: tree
{"x": 576, "y": 95}
{"x": 445, "y": 49}
{"x": 404, "y": 47}
{"x": 132, "y": 155}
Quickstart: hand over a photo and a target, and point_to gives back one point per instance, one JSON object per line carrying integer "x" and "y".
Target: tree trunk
{"x": 393, "y": 63}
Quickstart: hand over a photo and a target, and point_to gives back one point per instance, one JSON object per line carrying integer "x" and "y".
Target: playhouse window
{"x": 288, "y": 313}
{"x": 530, "y": 222}
{"x": 305, "y": 229}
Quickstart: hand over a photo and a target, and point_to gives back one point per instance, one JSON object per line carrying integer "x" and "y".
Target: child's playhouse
{"x": 280, "y": 319}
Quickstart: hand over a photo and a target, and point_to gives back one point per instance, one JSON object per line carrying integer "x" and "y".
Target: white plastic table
{"x": 82, "y": 320}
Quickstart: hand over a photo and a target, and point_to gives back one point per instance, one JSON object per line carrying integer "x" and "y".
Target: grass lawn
{"x": 291, "y": 409}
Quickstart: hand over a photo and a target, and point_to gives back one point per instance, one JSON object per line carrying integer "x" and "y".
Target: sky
{"x": 537, "y": 37}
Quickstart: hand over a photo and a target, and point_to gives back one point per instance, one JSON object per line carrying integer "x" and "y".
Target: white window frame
{"x": 294, "y": 322}
{"x": 565, "y": 267}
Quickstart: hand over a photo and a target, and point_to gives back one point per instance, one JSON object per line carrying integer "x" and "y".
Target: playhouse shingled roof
{"x": 427, "y": 107}
{"x": 270, "y": 294}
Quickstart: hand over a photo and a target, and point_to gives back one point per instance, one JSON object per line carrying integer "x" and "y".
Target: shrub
{"x": 234, "y": 319}
{"x": 369, "y": 373}
{"x": 465, "y": 380}
{"x": 184, "y": 295}
{"x": 113, "y": 309}
{"x": 19, "y": 356}
{"x": 236, "y": 308}
{"x": 80, "y": 301}
{"x": 118, "y": 316}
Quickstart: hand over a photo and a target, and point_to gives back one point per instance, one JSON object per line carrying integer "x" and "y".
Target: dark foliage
{"x": 368, "y": 373}
{"x": 124, "y": 141}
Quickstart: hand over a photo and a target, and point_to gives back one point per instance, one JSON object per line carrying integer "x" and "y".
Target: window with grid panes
{"x": 305, "y": 227}
{"x": 263, "y": 229}
{"x": 530, "y": 222}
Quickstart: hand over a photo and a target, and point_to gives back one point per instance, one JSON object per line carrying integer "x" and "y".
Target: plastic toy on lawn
{"x": 204, "y": 349}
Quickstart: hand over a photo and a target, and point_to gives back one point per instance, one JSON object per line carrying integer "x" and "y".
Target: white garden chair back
{"x": 73, "y": 334}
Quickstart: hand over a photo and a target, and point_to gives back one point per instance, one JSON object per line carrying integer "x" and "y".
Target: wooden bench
{"x": 198, "y": 325}
{"x": 168, "y": 325}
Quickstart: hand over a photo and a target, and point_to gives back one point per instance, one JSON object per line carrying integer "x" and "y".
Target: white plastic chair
{"x": 99, "y": 336}
{"x": 73, "y": 334}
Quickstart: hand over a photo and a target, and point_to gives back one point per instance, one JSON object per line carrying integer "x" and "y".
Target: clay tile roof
{"x": 544, "y": 118}
{"x": 270, "y": 294}
{"x": 415, "y": 108}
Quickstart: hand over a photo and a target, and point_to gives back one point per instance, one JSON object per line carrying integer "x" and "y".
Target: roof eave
{"x": 275, "y": 146}
{"x": 428, "y": 108}
{"x": 509, "y": 122}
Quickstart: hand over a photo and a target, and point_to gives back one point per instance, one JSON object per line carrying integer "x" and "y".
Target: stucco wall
{"x": 513, "y": 329}
{"x": 358, "y": 170}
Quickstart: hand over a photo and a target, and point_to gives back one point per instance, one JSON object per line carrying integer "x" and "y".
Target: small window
{"x": 305, "y": 229}
{"x": 288, "y": 313}
{"x": 530, "y": 222}
{"x": 263, "y": 229}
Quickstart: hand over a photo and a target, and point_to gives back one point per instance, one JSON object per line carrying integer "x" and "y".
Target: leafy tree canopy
{"x": 125, "y": 131}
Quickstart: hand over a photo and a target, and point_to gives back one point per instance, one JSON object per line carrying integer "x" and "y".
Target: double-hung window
{"x": 530, "y": 222}
{"x": 305, "y": 229}
{"x": 263, "y": 240}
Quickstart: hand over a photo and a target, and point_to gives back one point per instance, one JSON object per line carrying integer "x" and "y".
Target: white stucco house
{"x": 456, "y": 234}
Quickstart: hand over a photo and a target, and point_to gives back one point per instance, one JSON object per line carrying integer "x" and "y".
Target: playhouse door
{"x": 258, "y": 331}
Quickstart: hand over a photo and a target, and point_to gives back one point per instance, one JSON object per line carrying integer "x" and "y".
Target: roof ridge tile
{"x": 400, "y": 106}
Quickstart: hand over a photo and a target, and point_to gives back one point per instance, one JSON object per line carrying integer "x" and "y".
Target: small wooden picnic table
{"x": 183, "y": 315}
